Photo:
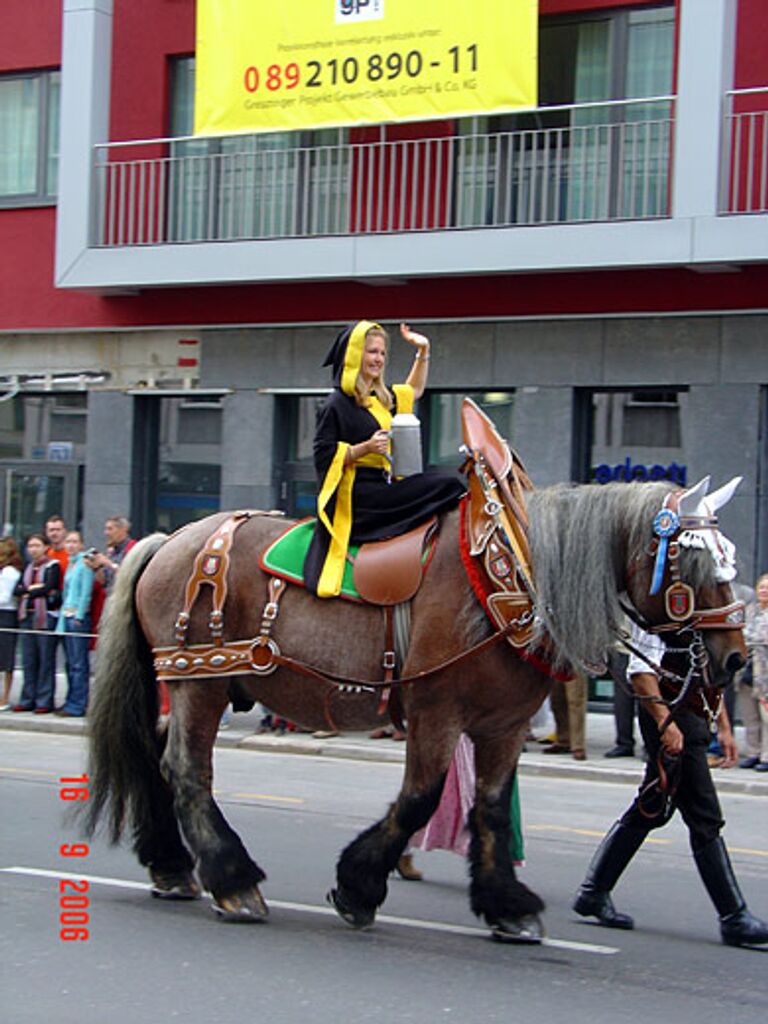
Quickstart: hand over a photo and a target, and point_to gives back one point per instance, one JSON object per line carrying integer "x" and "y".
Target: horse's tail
{"x": 124, "y": 754}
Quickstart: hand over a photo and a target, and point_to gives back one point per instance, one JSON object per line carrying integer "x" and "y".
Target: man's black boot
{"x": 614, "y": 853}
{"x": 738, "y": 927}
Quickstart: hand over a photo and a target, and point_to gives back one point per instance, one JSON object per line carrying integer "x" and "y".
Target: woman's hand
{"x": 378, "y": 443}
{"x": 417, "y": 340}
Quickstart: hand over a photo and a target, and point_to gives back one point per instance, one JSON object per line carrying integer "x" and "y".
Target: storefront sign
{"x": 319, "y": 63}
{"x": 628, "y": 471}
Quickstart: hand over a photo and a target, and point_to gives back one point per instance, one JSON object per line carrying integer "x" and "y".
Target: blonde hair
{"x": 379, "y": 388}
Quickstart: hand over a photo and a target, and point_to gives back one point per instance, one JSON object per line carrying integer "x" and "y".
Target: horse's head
{"x": 681, "y": 583}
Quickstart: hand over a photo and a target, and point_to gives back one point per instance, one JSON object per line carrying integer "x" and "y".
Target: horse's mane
{"x": 582, "y": 538}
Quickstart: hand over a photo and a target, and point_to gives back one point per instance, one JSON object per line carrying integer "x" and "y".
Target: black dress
{"x": 379, "y": 509}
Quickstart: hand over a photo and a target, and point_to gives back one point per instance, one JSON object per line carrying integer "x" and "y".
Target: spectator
{"x": 10, "y": 573}
{"x": 40, "y": 591}
{"x": 569, "y": 706}
{"x": 119, "y": 543}
{"x": 74, "y": 621}
{"x": 55, "y": 532}
{"x": 624, "y": 706}
{"x": 753, "y": 695}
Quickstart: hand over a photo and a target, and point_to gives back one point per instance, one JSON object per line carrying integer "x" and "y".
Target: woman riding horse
{"x": 358, "y": 502}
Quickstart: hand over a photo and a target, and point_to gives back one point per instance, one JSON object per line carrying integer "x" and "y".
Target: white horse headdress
{"x": 696, "y": 504}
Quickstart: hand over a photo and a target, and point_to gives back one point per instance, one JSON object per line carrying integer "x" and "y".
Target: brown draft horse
{"x": 589, "y": 545}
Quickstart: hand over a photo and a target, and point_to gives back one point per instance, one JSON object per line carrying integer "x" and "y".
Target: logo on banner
{"x": 348, "y": 11}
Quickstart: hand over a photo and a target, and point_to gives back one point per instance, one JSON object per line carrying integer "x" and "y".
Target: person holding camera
{"x": 119, "y": 543}
{"x": 74, "y": 622}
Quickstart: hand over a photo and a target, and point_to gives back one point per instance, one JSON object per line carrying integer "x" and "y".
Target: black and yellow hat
{"x": 345, "y": 356}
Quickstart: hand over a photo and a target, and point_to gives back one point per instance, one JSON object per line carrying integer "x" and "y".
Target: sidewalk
{"x": 241, "y": 734}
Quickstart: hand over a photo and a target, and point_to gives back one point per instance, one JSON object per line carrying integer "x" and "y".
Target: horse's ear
{"x": 690, "y": 500}
{"x": 723, "y": 495}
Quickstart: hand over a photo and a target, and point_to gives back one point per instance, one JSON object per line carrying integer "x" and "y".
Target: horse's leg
{"x": 223, "y": 865}
{"x": 158, "y": 843}
{"x": 365, "y": 864}
{"x": 509, "y": 907}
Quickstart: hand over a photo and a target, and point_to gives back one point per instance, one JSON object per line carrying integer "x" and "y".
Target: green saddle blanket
{"x": 285, "y": 557}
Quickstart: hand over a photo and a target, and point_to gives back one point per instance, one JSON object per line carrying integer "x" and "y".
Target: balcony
{"x": 658, "y": 181}
{"x": 584, "y": 163}
{"x": 744, "y": 180}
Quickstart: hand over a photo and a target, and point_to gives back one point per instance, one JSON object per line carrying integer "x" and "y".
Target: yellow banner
{"x": 265, "y": 66}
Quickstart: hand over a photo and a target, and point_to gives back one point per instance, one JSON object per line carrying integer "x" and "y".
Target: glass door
{"x": 31, "y": 492}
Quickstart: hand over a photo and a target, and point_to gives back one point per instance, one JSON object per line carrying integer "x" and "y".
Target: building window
{"x": 189, "y": 460}
{"x": 584, "y": 163}
{"x": 274, "y": 184}
{"x": 440, "y": 412}
{"x": 295, "y": 480}
{"x": 29, "y": 138}
{"x": 636, "y": 435}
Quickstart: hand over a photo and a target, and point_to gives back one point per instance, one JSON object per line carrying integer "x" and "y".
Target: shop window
{"x": 186, "y": 491}
{"x": 29, "y": 138}
{"x": 633, "y": 435}
{"x": 441, "y": 422}
{"x": 652, "y": 420}
{"x": 189, "y": 460}
{"x": 295, "y": 480}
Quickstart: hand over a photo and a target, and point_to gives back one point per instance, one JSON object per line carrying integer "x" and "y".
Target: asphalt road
{"x": 427, "y": 960}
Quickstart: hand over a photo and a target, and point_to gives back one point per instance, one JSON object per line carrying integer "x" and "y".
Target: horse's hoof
{"x": 354, "y": 917}
{"x": 183, "y": 891}
{"x": 526, "y": 930}
{"x": 180, "y": 886}
{"x": 245, "y": 908}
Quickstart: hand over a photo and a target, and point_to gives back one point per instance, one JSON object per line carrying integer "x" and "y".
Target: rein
{"x": 372, "y": 685}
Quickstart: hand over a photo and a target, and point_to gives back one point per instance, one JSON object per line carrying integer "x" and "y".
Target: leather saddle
{"x": 388, "y": 572}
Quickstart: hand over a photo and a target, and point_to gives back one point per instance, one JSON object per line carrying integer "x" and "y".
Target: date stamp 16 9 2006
{"x": 73, "y": 892}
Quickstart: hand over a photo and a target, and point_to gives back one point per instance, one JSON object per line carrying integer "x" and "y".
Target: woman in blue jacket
{"x": 74, "y": 622}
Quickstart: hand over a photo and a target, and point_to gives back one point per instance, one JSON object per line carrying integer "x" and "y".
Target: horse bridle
{"x": 684, "y": 619}
{"x": 679, "y": 598}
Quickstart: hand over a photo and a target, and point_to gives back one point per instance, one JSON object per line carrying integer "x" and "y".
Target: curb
{"x": 342, "y": 748}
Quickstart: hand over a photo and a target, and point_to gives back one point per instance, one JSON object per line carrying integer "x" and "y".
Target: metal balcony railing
{"x": 585, "y": 162}
{"x": 744, "y": 177}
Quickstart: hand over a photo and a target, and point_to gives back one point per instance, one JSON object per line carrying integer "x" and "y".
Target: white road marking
{"x": 308, "y": 908}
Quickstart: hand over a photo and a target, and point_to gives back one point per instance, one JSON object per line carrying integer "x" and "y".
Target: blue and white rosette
{"x": 666, "y": 523}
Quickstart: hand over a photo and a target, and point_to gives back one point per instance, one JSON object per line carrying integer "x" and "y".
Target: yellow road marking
{"x": 28, "y": 771}
{"x": 584, "y": 832}
{"x": 748, "y": 851}
{"x": 266, "y": 796}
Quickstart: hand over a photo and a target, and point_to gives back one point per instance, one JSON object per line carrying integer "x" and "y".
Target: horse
{"x": 594, "y": 552}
